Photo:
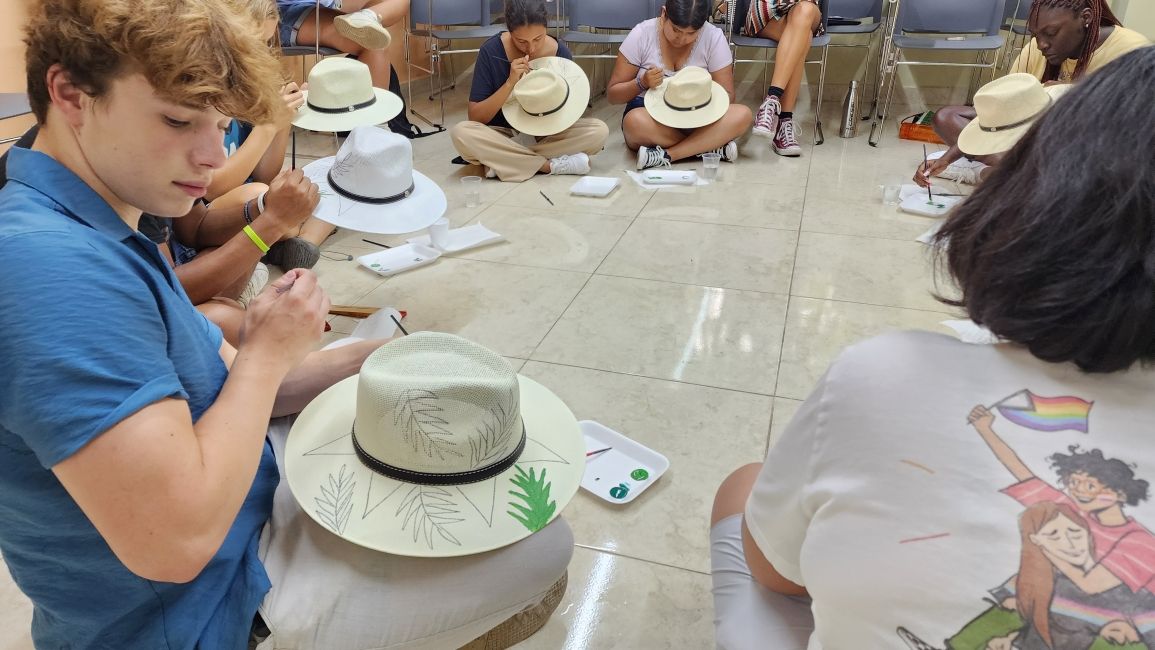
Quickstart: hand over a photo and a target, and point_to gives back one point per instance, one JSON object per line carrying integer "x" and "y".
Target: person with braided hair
{"x": 1072, "y": 38}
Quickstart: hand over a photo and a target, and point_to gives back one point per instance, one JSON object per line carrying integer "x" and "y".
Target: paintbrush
{"x": 926, "y": 169}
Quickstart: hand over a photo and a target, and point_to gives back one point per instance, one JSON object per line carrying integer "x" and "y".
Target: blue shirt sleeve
{"x": 103, "y": 358}
{"x": 490, "y": 71}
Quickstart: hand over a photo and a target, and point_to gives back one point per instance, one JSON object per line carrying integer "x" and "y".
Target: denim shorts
{"x": 292, "y": 17}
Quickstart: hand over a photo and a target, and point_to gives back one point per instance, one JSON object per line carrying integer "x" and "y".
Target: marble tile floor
{"x": 694, "y": 320}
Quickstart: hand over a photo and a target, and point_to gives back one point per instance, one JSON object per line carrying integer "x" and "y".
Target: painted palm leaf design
{"x": 336, "y": 501}
{"x": 538, "y": 508}
{"x": 419, "y": 417}
{"x": 430, "y": 511}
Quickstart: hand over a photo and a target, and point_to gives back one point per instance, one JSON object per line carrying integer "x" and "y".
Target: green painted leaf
{"x": 533, "y": 489}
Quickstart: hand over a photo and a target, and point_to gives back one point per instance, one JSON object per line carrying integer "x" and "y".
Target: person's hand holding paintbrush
{"x": 652, "y": 77}
{"x": 518, "y": 68}
{"x": 285, "y": 322}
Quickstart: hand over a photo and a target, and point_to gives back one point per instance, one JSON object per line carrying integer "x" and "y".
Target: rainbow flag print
{"x": 1046, "y": 413}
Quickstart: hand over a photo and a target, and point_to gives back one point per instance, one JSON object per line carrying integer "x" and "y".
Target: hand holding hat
{"x": 549, "y": 98}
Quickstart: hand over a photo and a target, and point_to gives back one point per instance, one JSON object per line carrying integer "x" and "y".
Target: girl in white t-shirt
{"x": 891, "y": 498}
{"x": 659, "y": 48}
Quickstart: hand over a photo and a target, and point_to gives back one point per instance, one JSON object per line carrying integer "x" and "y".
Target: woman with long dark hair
{"x": 678, "y": 54}
{"x": 886, "y": 498}
{"x": 1072, "y": 38}
{"x": 525, "y": 82}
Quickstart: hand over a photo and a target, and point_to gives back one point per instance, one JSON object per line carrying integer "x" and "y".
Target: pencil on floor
{"x": 544, "y": 196}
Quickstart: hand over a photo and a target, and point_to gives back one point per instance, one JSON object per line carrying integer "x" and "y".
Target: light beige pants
{"x": 495, "y": 148}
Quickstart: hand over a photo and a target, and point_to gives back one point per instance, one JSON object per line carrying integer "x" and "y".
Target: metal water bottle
{"x": 849, "y": 127}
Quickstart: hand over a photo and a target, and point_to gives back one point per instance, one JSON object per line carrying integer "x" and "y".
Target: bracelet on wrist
{"x": 256, "y": 239}
{"x": 247, "y": 213}
{"x": 638, "y": 81}
{"x": 261, "y": 203}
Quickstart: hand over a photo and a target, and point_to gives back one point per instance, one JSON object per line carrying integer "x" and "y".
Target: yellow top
{"x": 1120, "y": 42}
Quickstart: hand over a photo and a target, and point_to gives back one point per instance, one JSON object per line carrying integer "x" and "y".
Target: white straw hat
{"x": 1006, "y": 108}
{"x": 371, "y": 186}
{"x": 341, "y": 97}
{"x": 689, "y": 99}
{"x": 437, "y": 448}
{"x": 548, "y": 99}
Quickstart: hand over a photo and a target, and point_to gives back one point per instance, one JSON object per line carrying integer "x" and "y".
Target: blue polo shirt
{"x": 96, "y": 327}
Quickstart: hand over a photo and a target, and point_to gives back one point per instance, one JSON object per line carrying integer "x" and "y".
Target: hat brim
{"x": 663, "y": 114}
{"x": 424, "y": 206}
{"x": 384, "y": 109}
{"x": 554, "y": 123}
{"x": 355, "y": 503}
{"x": 973, "y": 141}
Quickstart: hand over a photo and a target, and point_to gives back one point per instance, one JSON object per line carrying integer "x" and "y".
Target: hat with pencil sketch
{"x": 436, "y": 448}
{"x": 689, "y": 99}
{"x": 549, "y": 98}
{"x": 1006, "y": 109}
{"x": 341, "y": 97}
{"x": 371, "y": 186}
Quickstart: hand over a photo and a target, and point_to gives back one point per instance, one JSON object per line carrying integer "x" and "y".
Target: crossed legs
{"x": 642, "y": 130}
{"x": 793, "y": 34}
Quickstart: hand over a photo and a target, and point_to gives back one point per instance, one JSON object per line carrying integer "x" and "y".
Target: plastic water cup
{"x": 472, "y": 187}
{"x": 710, "y": 163}
{"x": 439, "y": 233}
{"x": 890, "y": 194}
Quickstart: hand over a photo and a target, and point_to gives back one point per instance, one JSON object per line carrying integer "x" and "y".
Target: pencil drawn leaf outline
{"x": 493, "y": 434}
{"x": 430, "y": 511}
{"x": 336, "y": 500}
{"x": 422, "y": 426}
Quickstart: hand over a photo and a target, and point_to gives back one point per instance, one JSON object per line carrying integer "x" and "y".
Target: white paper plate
{"x": 625, "y": 471}
{"x": 399, "y": 258}
{"x": 596, "y": 186}
{"x": 919, "y": 204}
{"x": 463, "y": 239}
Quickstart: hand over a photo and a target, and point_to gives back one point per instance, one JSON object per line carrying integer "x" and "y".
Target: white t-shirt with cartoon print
{"x": 935, "y": 494}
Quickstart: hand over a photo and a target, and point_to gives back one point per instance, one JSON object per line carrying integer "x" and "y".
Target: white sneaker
{"x": 257, "y": 282}
{"x": 766, "y": 119}
{"x": 654, "y": 156}
{"x": 785, "y": 143}
{"x": 363, "y": 28}
{"x": 728, "y": 151}
{"x": 576, "y": 164}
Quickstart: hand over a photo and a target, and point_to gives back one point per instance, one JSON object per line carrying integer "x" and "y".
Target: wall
{"x": 12, "y": 16}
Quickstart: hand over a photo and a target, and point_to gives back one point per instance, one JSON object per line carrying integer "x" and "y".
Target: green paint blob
{"x": 639, "y": 474}
{"x": 620, "y": 491}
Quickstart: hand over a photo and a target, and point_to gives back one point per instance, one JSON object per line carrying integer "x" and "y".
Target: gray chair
{"x": 620, "y": 16}
{"x": 472, "y": 20}
{"x": 13, "y": 105}
{"x": 736, "y": 17}
{"x": 940, "y": 25}
{"x": 1015, "y": 21}
{"x": 849, "y": 18}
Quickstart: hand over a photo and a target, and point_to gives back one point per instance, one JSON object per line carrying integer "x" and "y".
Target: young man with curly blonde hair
{"x": 138, "y": 478}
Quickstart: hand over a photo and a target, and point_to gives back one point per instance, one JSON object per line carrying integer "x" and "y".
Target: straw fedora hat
{"x": 549, "y": 98}
{"x": 341, "y": 97}
{"x": 1006, "y": 108}
{"x": 689, "y": 99}
{"x": 437, "y": 448}
{"x": 371, "y": 186}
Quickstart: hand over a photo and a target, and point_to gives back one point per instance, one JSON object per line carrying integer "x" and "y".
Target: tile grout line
{"x": 661, "y": 379}
{"x": 639, "y": 559}
{"x": 587, "y": 282}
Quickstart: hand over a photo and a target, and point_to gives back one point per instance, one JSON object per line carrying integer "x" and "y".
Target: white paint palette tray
{"x": 625, "y": 471}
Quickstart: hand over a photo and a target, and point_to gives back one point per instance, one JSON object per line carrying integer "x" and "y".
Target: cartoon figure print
{"x": 1086, "y": 569}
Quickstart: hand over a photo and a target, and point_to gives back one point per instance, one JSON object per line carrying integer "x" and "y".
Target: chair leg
{"x": 880, "y": 121}
{"x": 818, "y": 137}
{"x": 866, "y": 82}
